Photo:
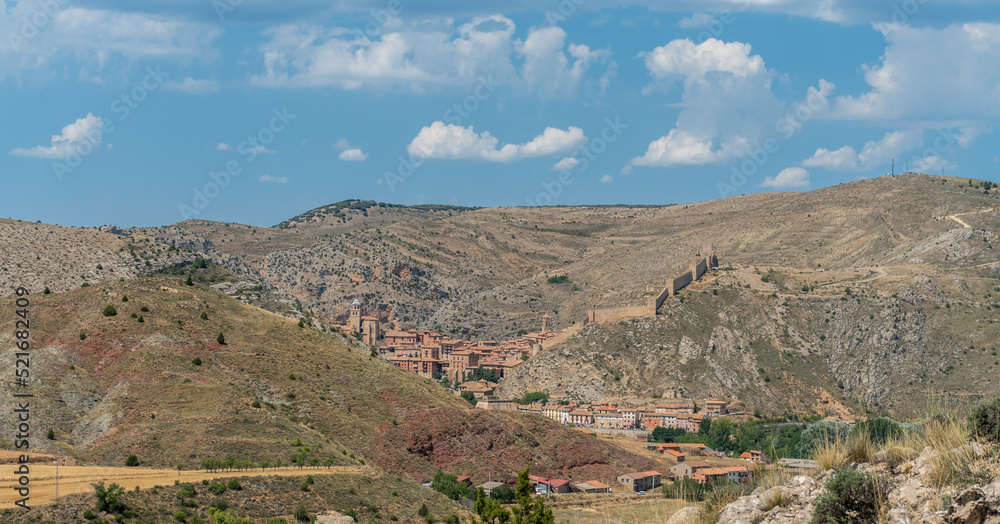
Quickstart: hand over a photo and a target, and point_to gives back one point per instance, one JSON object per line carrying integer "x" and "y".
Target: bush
{"x": 181, "y": 515}
{"x": 187, "y": 490}
{"x": 300, "y": 513}
{"x": 132, "y": 461}
{"x": 109, "y": 311}
{"x": 124, "y": 298}
{"x": 821, "y": 432}
{"x": 984, "y": 421}
{"x": 109, "y": 498}
{"x": 852, "y": 497}
{"x": 879, "y": 429}
{"x": 144, "y": 309}
{"x": 221, "y": 339}
{"x": 220, "y": 504}
{"x": 561, "y": 279}
{"x": 51, "y": 435}
{"x": 196, "y": 361}
{"x": 217, "y": 488}
{"x": 234, "y": 485}
{"x": 204, "y": 315}
{"x": 423, "y": 511}
{"x": 89, "y": 515}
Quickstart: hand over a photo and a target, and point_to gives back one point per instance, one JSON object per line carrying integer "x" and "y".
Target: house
{"x": 581, "y": 417}
{"x": 546, "y": 486}
{"x": 710, "y": 475}
{"x": 610, "y": 420}
{"x": 592, "y": 486}
{"x": 464, "y": 479}
{"x": 661, "y": 447}
{"x": 488, "y": 487}
{"x": 715, "y": 408}
{"x": 479, "y": 388}
{"x": 752, "y": 456}
{"x": 686, "y": 469}
{"x": 642, "y": 481}
{"x": 739, "y": 473}
{"x": 674, "y": 454}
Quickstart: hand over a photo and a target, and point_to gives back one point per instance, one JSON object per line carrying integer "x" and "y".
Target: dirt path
{"x": 959, "y": 220}
{"x": 78, "y": 479}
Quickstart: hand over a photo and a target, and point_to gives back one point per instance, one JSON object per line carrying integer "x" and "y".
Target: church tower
{"x": 546, "y": 323}
{"x": 355, "y": 321}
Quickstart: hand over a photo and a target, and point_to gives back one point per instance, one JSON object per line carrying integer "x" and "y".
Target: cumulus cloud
{"x": 222, "y": 146}
{"x": 566, "y": 164}
{"x": 606, "y": 179}
{"x": 931, "y": 164}
{"x": 874, "y": 153}
{"x": 82, "y": 135}
{"x": 449, "y": 141}
{"x": 341, "y": 144}
{"x": 931, "y": 74}
{"x": 191, "y": 86}
{"x": 273, "y": 179}
{"x": 433, "y": 56}
{"x": 790, "y": 178}
{"x": 352, "y": 155}
{"x": 727, "y": 102}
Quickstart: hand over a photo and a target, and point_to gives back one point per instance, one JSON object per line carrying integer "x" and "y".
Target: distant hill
{"x": 167, "y": 391}
{"x": 918, "y": 251}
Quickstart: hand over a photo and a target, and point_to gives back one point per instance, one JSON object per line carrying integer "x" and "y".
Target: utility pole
{"x": 893, "y": 166}
{"x": 57, "y": 478}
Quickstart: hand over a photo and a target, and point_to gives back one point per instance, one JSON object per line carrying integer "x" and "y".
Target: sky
{"x": 141, "y": 113}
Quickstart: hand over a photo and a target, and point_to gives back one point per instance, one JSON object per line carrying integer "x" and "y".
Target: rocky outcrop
{"x": 911, "y": 500}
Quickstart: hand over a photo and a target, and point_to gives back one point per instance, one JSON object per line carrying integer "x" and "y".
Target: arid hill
{"x": 154, "y": 380}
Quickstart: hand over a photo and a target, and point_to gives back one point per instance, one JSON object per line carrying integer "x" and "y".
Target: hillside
{"x": 917, "y": 252}
{"x": 167, "y": 391}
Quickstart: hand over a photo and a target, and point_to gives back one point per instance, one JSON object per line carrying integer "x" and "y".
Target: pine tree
{"x": 221, "y": 339}
{"x": 189, "y": 282}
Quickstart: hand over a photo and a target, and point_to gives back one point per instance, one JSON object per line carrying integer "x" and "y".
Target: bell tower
{"x": 355, "y": 321}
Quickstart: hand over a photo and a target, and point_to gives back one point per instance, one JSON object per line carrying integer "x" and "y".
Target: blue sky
{"x": 146, "y": 113}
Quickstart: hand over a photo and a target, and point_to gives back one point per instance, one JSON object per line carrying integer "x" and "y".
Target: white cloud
{"x": 78, "y": 137}
{"x": 931, "y": 164}
{"x": 547, "y": 70}
{"x": 789, "y": 178}
{"x": 696, "y": 21}
{"x": 938, "y": 75}
{"x": 566, "y": 164}
{"x": 449, "y": 141}
{"x": 273, "y": 179}
{"x": 261, "y": 150}
{"x": 727, "y": 103}
{"x": 431, "y": 55}
{"x": 191, "y": 86}
{"x": 606, "y": 179}
{"x": 222, "y": 146}
{"x": 94, "y": 39}
{"x": 873, "y": 154}
{"x": 352, "y": 155}
{"x": 342, "y": 144}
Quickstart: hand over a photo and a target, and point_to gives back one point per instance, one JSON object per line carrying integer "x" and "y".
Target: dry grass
{"x": 860, "y": 448}
{"x": 776, "y": 497}
{"x": 830, "y": 455}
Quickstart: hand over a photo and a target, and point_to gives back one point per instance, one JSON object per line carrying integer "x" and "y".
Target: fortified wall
{"x": 705, "y": 260}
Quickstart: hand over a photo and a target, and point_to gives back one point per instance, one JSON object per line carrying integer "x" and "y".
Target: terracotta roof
{"x": 713, "y": 471}
{"x": 677, "y": 454}
{"x": 698, "y": 464}
{"x": 652, "y": 473}
{"x": 598, "y": 484}
{"x": 736, "y": 468}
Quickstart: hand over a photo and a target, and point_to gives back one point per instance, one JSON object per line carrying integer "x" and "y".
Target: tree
{"x": 821, "y": 432}
{"x": 502, "y": 493}
{"x": 720, "y": 432}
{"x": 196, "y": 361}
{"x": 985, "y": 421}
{"x": 423, "y": 511}
{"x": 109, "y": 499}
{"x": 124, "y": 298}
{"x": 662, "y": 434}
{"x": 705, "y": 426}
{"x": 132, "y": 461}
{"x": 469, "y": 397}
{"x": 47, "y": 291}
{"x": 448, "y": 485}
{"x": 528, "y": 398}
{"x": 109, "y": 311}
{"x": 204, "y": 315}
{"x": 51, "y": 435}
{"x": 529, "y": 511}
{"x": 189, "y": 282}
{"x": 221, "y": 339}
{"x": 879, "y": 429}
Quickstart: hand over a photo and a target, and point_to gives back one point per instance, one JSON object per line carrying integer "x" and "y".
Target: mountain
{"x": 153, "y": 380}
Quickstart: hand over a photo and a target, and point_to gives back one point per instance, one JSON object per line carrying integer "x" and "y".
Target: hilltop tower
{"x": 355, "y": 321}
{"x": 546, "y": 323}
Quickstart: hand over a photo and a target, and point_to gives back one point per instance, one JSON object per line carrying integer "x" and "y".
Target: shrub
{"x": 220, "y": 504}
{"x": 144, "y": 309}
{"x": 189, "y": 282}
{"x": 221, "y": 339}
{"x": 134, "y": 315}
{"x": 124, "y": 298}
{"x": 109, "y": 311}
{"x": 196, "y": 361}
{"x": 423, "y": 511}
{"x": 984, "y": 421}
{"x": 300, "y": 514}
{"x": 852, "y": 497}
{"x": 204, "y": 315}
{"x": 132, "y": 461}
{"x": 141, "y": 320}
{"x": 217, "y": 488}
{"x": 109, "y": 498}
{"x": 234, "y": 485}
{"x": 181, "y": 515}
{"x": 187, "y": 490}
{"x": 51, "y": 435}
{"x": 879, "y": 429}
{"x": 561, "y": 279}
{"x": 255, "y": 404}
